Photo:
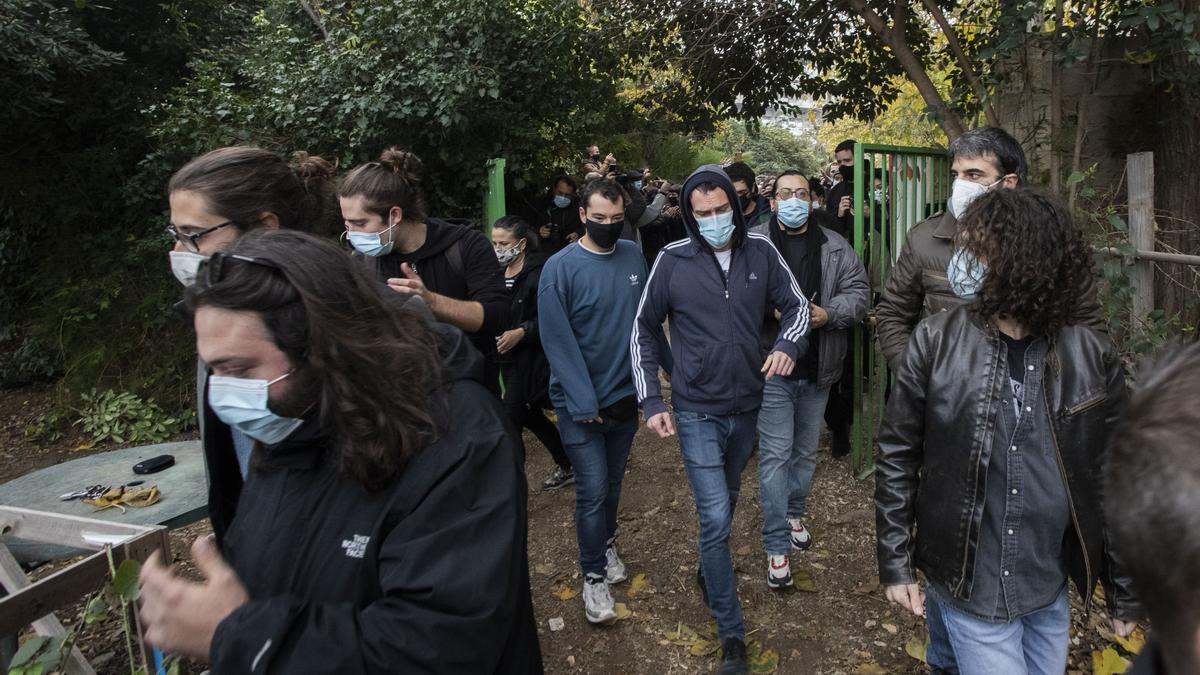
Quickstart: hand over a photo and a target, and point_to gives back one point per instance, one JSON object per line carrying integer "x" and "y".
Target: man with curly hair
{"x": 993, "y": 444}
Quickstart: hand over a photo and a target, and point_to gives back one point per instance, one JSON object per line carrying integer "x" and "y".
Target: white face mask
{"x": 507, "y": 255}
{"x": 185, "y": 265}
{"x": 963, "y": 192}
{"x": 242, "y": 404}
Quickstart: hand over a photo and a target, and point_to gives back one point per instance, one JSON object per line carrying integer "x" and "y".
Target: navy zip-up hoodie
{"x": 715, "y": 322}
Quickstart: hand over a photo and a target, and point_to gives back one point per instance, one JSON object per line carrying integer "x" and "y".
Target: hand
{"x": 661, "y": 425}
{"x": 181, "y": 616}
{"x": 1123, "y": 628}
{"x": 609, "y": 159}
{"x": 544, "y": 232}
{"x": 595, "y": 420}
{"x": 908, "y": 596}
{"x": 410, "y": 284}
{"x": 817, "y": 316}
{"x": 572, "y": 236}
{"x": 844, "y": 206}
{"x": 778, "y": 363}
{"x": 671, "y": 212}
{"x": 509, "y": 339}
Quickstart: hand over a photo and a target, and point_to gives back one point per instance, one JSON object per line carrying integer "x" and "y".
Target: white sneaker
{"x": 779, "y": 572}
{"x": 801, "y": 539}
{"x": 598, "y": 603}
{"x": 614, "y": 569}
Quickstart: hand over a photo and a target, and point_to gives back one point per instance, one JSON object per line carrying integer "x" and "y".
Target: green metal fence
{"x": 914, "y": 184}
{"x": 493, "y": 201}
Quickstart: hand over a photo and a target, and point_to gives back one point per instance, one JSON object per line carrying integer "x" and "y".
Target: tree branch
{"x": 316, "y": 18}
{"x": 989, "y": 111}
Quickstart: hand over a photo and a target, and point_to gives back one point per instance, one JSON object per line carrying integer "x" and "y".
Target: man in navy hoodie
{"x": 715, "y": 286}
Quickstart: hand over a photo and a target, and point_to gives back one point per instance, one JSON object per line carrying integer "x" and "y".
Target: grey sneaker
{"x": 559, "y": 479}
{"x": 614, "y": 569}
{"x": 598, "y": 603}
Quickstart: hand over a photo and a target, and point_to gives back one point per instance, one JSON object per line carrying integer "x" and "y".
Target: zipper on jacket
{"x": 1062, "y": 469}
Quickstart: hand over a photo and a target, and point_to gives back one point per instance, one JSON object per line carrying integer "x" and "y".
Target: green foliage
{"x": 31, "y": 361}
{"x": 125, "y": 418}
{"x": 769, "y": 150}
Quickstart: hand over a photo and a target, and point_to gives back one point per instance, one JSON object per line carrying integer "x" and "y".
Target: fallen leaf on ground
{"x": 639, "y": 585}
{"x": 1134, "y": 643}
{"x": 86, "y": 445}
{"x": 683, "y": 636}
{"x": 890, "y": 627}
{"x": 867, "y": 587}
{"x": 566, "y": 593}
{"x": 543, "y": 568}
{"x": 917, "y": 648}
{"x": 870, "y": 668}
{"x": 702, "y": 647}
{"x": 742, "y": 551}
{"x": 1108, "y": 662}
{"x": 762, "y": 660}
{"x": 622, "y": 611}
{"x": 803, "y": 581}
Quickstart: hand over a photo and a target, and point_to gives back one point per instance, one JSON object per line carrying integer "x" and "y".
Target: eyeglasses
{"x": 192, "y": 241}
{"x": 784, "y": 194}
{"x": 213, "y": 269}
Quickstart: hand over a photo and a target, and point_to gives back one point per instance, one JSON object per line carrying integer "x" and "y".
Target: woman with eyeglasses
{"x": 523, "y": 364}
{"x": 215, "y": 199}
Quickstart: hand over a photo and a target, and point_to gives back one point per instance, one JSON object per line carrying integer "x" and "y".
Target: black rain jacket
{"x": 429, "y": 575}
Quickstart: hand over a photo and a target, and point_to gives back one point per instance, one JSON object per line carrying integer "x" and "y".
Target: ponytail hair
{"x": 240, "y": 182}
{"x": 393, "y": 180}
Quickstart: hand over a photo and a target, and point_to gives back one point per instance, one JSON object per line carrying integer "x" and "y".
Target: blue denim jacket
{"x": 1020, "y": 566}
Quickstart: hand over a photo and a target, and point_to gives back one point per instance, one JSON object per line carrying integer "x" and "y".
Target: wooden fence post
{"x": 1140, "y": 168}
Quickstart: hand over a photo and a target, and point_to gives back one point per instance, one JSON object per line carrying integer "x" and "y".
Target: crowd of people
{"x": 361, "y": 409}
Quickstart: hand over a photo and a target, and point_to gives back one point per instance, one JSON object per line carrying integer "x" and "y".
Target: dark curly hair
{"x": 1038, "y": 265}
{"x": 372, "y": 363}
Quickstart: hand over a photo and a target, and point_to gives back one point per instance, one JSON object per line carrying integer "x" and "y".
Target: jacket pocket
{"x": 937, "y": 296}
{"x": 1086, "y": 402}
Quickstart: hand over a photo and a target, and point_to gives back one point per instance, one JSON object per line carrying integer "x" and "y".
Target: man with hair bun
{"x": 447, "y": 263}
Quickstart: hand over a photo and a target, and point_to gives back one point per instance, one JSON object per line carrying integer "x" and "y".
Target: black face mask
{"x": 604, "y": 235}
{"x": 847, "y": 172}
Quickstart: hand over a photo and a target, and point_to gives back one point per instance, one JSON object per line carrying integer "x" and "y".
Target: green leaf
{"x": 125, "y": 581}
{"x": 1118, "y": 223}
{"x": 97, "y": 610}
{"x": 28, "y": 650}
{"x": 1075, "y": 177}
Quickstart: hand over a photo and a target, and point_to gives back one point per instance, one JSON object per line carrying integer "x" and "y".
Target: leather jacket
{"x": 917, "y": 287}
{"x": 935, "y": 445}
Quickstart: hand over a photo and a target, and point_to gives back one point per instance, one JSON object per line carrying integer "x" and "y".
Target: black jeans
{"x": 525, "y": 415}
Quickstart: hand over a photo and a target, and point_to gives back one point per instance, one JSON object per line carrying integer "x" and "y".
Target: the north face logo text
{"x": 356, "y": 547}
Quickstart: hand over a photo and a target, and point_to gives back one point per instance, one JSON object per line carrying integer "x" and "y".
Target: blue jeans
{"x": 716, "y": 449}
{"x": 789, "y": 425}
{"x": 960, "y": 643}
{"x": 598, "y": 453}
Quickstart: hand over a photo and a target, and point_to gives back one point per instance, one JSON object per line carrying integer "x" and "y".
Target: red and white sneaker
{"x": 801, "y": 539}
{"x": 779, "y": 572}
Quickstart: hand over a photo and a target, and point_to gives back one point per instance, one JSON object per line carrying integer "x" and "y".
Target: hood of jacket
{"x": 710, "y": 173}
{"x": 440, "y": 233}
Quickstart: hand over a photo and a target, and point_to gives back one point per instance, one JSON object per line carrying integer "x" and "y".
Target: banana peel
{"x": 121, "y": 496}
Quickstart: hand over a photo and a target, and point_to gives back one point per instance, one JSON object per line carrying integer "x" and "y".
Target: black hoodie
{"x": 468, "y": 272}
{"x": 428, "y": 575}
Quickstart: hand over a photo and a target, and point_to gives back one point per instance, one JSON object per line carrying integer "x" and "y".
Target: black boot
{"x": 733, "y": 660}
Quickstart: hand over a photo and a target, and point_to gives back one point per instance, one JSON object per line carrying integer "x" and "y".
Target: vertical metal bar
{"x": 857, "y": 427}
{"x": 493, "y": 205}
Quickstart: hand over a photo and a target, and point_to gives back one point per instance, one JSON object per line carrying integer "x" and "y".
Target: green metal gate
{"x": 493, "y": 201}
{"x": 914, "y": 184}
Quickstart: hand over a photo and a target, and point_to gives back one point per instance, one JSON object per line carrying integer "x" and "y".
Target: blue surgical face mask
{"x": 242, "y": 404}
{"x": 793, "y": 213}
{"x": 561, "y": 201}
{"x": 965, "y": 273}
{"x": 717, "y": 229}
{"x": 370, "y": 243}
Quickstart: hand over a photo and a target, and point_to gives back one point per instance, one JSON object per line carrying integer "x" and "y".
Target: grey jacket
{"x": 846, "y": 296}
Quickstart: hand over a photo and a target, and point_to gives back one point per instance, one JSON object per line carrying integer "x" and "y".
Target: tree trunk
{"x": 895, "y": 38}
{"x": 1056, "y": 71}
{"x": 1177, "y": 196}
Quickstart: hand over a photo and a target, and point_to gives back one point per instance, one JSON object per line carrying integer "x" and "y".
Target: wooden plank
{"x": 26, "y": 605}
{"x": 1140, "y": 168}
{"x": 13, "y": 578}
{"x": 55, "y": 528}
